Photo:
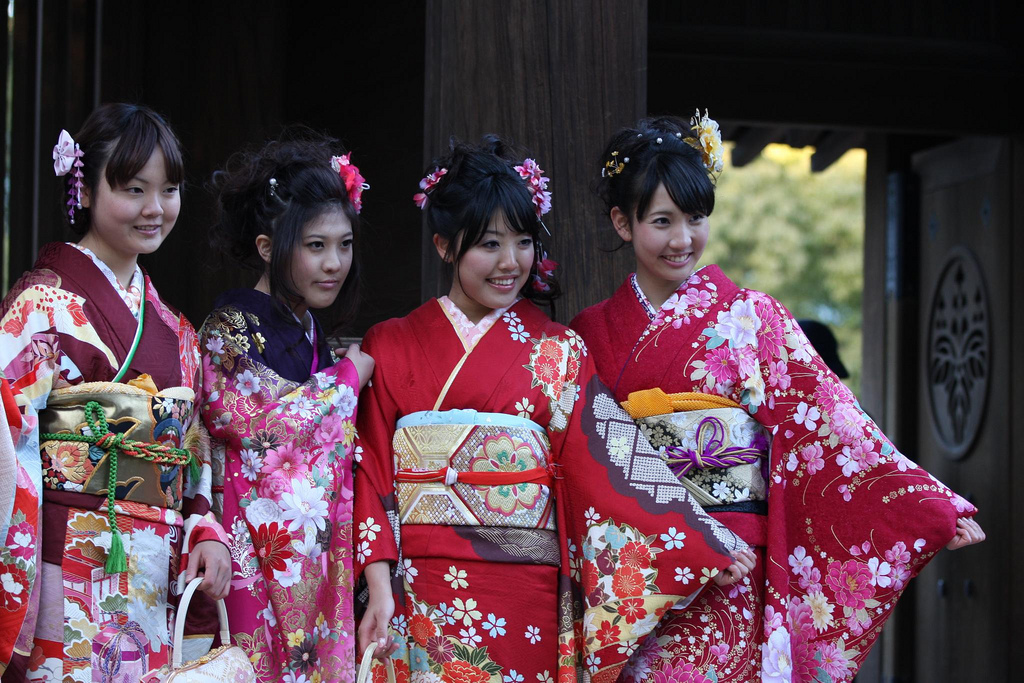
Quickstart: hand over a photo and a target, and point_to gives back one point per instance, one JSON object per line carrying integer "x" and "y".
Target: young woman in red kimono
{"x": 506, "y": 530}
{"x": 102, "y": 370}
{"x": 281, "y": 408}
{"x": 725, "y": 384}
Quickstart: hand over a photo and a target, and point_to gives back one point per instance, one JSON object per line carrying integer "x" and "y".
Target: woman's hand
{"x": 374, "y": 626}
{"x": 734, "y": 573}
{"x": 968, "y": 532}
{"x": 364, "y": 363}
{"x": 212, "y": 561}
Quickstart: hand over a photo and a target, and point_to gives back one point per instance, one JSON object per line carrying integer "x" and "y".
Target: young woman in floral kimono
{"x": 722, "y": 380}
{"x": 500, "y": 526}
{"x": 105, "y": 476}
{"x": 281, "y": 408}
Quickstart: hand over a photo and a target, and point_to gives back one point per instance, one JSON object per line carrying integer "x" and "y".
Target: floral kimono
{"x": 67, "y": 612}
{"x": 281, "y": 410}
{"x": 841, "y": 518}
{"x": 533, "y": 533}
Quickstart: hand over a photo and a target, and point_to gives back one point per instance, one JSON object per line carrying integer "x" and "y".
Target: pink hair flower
{"x": 355, "y": 183}
{"x": 537, "y": 184}
{"x": 427, "y": 184}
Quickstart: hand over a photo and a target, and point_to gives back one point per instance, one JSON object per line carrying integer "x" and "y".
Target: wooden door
{"x": 962, "y": 405}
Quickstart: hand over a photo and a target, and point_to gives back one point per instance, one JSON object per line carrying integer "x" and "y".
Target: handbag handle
{"x": 367, "y": 664}
{"x": 179, "y": 621}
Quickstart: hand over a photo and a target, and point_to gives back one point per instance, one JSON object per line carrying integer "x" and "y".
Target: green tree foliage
{"x": 798, "y": 236}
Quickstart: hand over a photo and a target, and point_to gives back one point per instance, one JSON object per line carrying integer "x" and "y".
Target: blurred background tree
{"x": 798, "y": 236}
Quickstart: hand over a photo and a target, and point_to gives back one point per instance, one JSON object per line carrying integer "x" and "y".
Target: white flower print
{"x": 262, "y": 511}
{"x": 525, "y": 408}
{"x": 494, "y": 625}
{"x": 684, "y": 575}
{"x": 545, "y": 677}
{"x": 469, "y": 636}
{"x": 303, "y": 407}
{"x": 673, "y": 539}
{"x": 215, "y": 345}
{"x": 369, "y": 529}
{"x": 739, "y": 325}
{"x": 807, "y": 416}
{"x": 533, "y": 634}
{"x": 593, "y": 662}
{"x": 324, "y": 381}
{"x": 456, "y": 578}
{"x": 269, "y": 616}
{"x": 358, "y": 454}
{"x": 291, "y": 574}
{"x": 363, "y": 551}
{"x": 592, "y": 516}
{"x": 512, "y": 677}
{"x": 447, "y": 612}
{"x": 247, "y": 383}
{"x": 518, "y": 332}
{"x": 410, "y": 571}
{"x": 618, "y": 447}
{"x": 465, "y": 611}
{"x": 251, "y": 464}
{"x": 304, "y": 505}
{"x": 720, "y": 490}
{"x": 345, "y": 400}
{"x": 880, "y": 572}
{"x": 800, "y": 561}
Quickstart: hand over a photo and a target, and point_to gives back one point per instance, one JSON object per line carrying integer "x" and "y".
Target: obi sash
{"x": 133, "y": 412}
{"x": 465, "y": 468}
{"x": 718, "y": 451}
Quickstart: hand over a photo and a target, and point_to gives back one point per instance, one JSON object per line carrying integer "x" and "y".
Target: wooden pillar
{"x": 556, "y": 77}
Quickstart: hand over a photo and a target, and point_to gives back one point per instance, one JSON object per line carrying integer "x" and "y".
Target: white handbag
{"x": 226, "y": 663}
{"x": 364, "y": 669}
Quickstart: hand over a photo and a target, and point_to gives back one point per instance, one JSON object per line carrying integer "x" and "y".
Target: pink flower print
{"x": 961, "y": 504}
{"x": 831, "y": 659}
{"x": 812, "y": 455}
{"x": 287, "y": 460}
{"x": 880, "y": 572}
{"x": 898, "y": 553}
{"x": 900, "y": 575}
{"x": 721, "y": 651}
{"x": 829, "y": 393}
{"x": 721, "y": 364}
{"x": 799, "y": 560}
{"x": 746, "y": 361}
{"x": 852, "y": 583}
{"x": 848, "y": 423}
{"x": 274, "y": 485}
{"x": 698, "y": 297}
{"x": 681, "y": 673}
{"x": 675, "y": 304}
{"x": 331, "y": 431}
{"x": 857, "y": 626}
{"x": 810, "y": 580}
{"x": 778, "y": 375}
{"x": 801, "y": 617}
{"x": 845, "y": 490}
{"x": 772, "y": 620}
{"x": 807, "y": 416}
{"x": 857, "y": 458}
{"x": 21, "y": 540}
{"x": 771, "y": 335}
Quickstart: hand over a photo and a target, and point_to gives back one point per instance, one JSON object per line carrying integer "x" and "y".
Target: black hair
{"x": 658, "y": 155}
{"x": 305, "y": 188}
{"x": 481, "y": 181}
{"x": 120, "y": 138}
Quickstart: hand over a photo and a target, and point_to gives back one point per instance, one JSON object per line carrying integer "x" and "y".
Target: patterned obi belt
{"x": 718, "y": 451}
{"x": 88, "y": 428}
{"x": 464, "y": 468}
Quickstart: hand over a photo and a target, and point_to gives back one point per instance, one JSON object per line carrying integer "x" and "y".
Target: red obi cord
{"x": 448, "y": 476}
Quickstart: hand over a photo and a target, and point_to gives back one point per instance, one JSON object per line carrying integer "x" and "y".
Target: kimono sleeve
{"x": 850, "y": 518}
{"x": 635, "y": 544}
{"x": 376, "y": 516}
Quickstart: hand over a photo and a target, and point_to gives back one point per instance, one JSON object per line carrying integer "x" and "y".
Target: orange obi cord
{"x": 448, "y": 476}
{"x": 650, "y": 402}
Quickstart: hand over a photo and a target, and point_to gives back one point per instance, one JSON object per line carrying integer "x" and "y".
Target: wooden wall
{"x": 557, "y": 77}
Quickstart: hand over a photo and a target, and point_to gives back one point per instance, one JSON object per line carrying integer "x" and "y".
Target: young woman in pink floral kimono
{"x": 724, "y": 383}
{"x": 281, "y": 408}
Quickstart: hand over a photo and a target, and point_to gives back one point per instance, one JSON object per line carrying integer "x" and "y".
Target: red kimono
{"x": 533, "y": 533}
{"x": 848, "y": 518}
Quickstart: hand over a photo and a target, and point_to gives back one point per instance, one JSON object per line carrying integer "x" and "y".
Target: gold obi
{"x": 138, "y": 415}
{"x": 716, "y": 452}
{"x": 488, "y": 469}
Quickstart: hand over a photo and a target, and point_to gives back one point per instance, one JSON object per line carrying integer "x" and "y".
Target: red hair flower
{"x": 354, "y": 181}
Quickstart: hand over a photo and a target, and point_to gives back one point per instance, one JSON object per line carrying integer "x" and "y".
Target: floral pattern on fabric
{"x": 287, "y": 450}
{"x": 850, "y": 518}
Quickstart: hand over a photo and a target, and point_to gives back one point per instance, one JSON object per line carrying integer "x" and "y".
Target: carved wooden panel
{"x": 959, "y": 360}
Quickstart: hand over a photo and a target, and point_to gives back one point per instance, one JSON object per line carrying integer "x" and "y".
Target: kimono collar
{"x": 469, "y": 332}
{"x": 132, "y": 295}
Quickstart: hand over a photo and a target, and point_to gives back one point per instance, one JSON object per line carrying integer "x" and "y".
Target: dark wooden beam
{"x": 832, "y": 146}
{"x": 557, "y": 77}
{"x": 752, "y": 141}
